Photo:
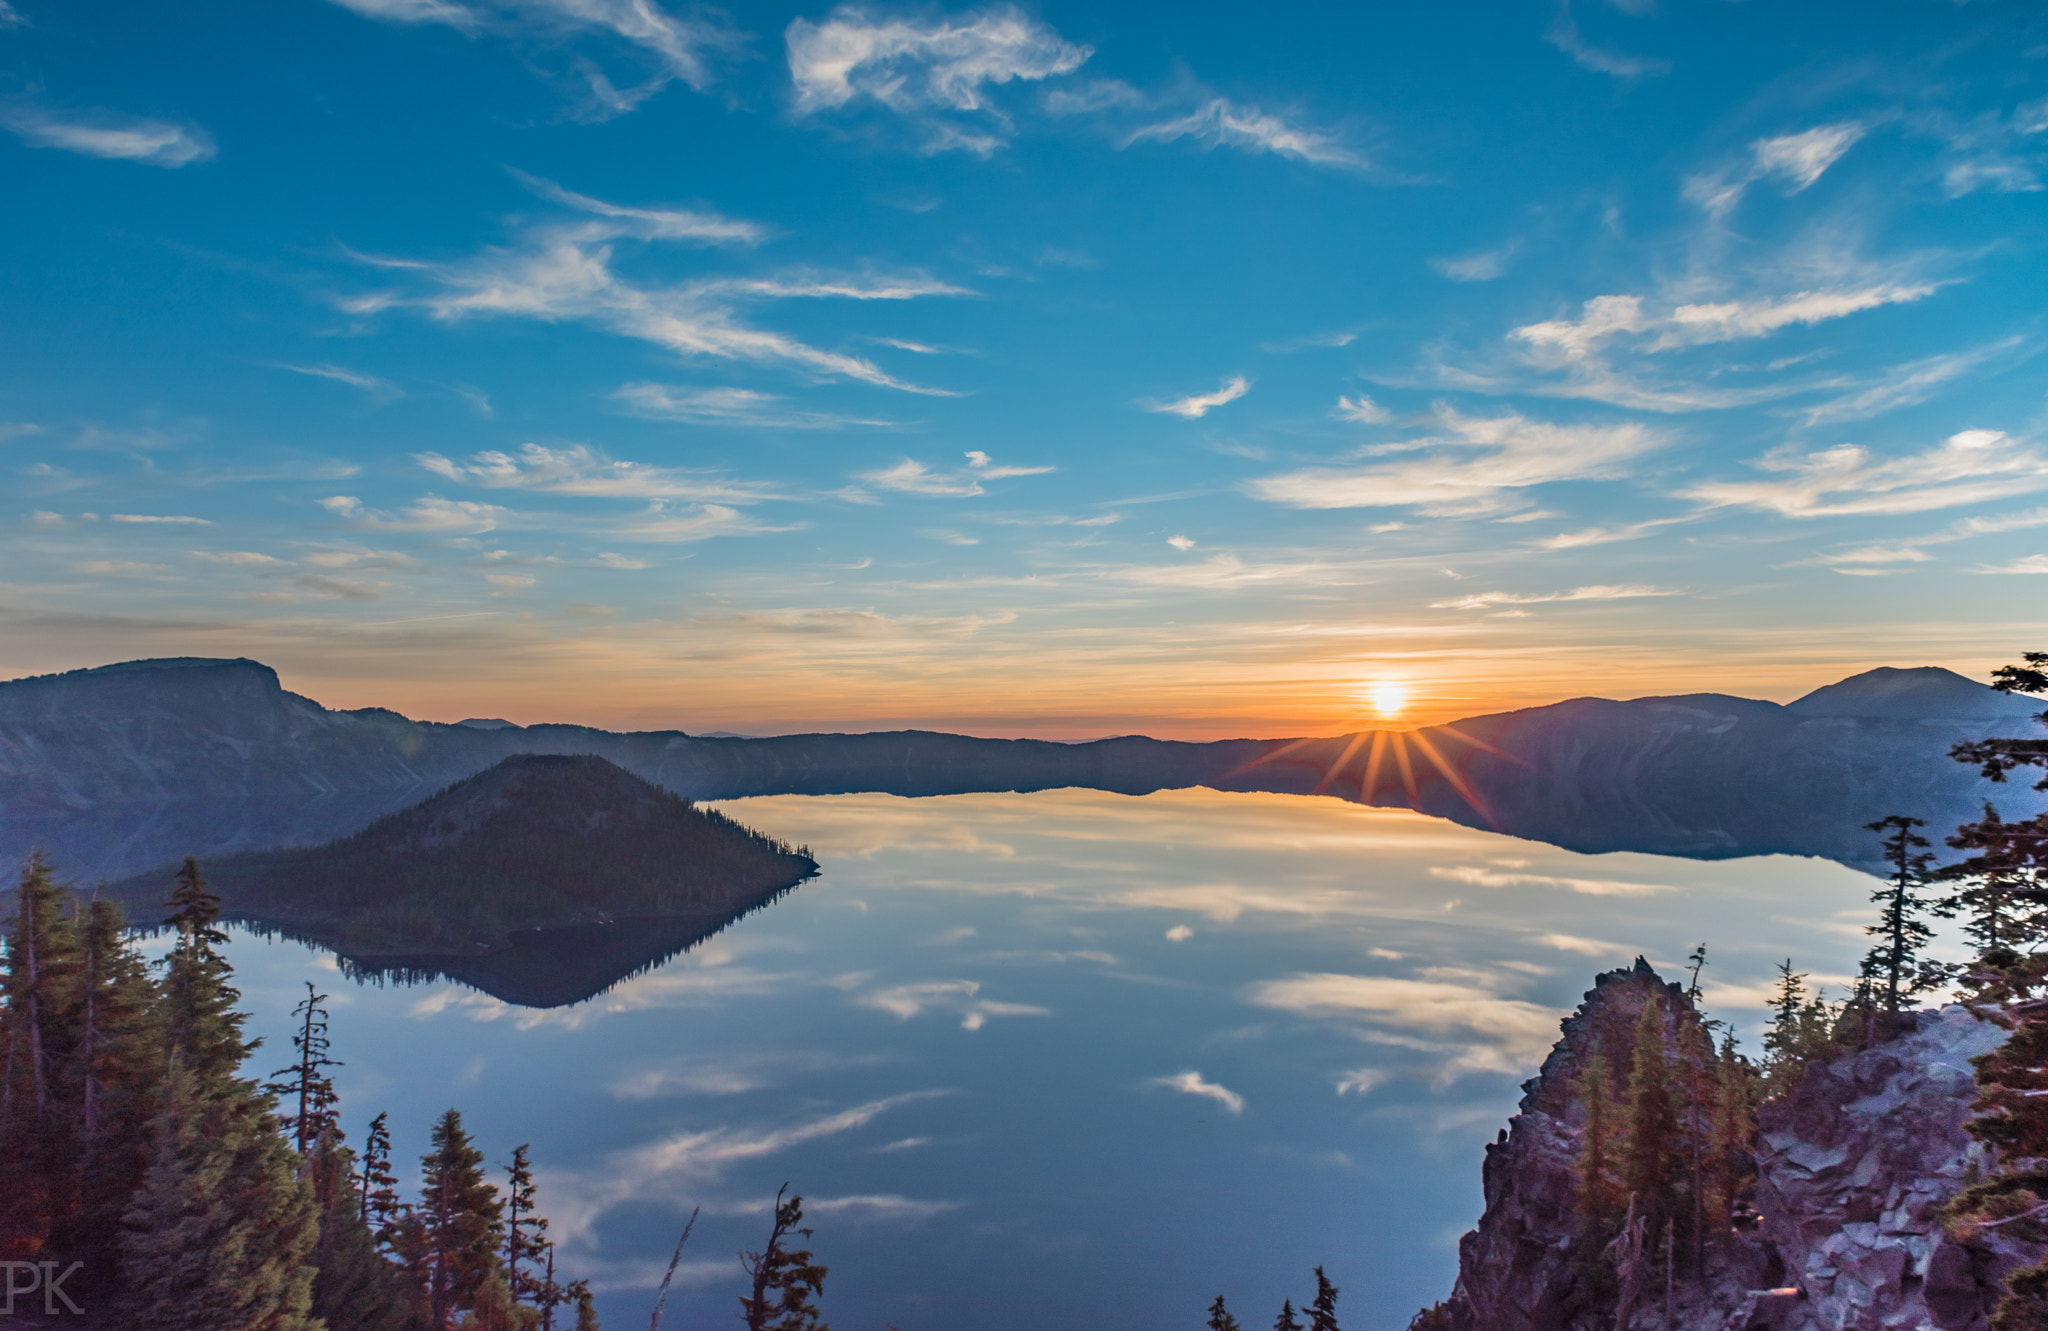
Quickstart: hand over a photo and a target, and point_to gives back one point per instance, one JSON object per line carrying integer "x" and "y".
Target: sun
{"x": 1389, "y": 697}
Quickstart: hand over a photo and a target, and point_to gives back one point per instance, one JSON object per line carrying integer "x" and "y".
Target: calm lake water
{"x": 1067, "y": 1059}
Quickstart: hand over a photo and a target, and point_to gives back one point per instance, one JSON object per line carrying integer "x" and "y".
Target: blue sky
{"x": 1059, "y": 371}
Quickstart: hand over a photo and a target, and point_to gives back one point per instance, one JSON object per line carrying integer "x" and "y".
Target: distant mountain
{"x": 118, "y": 769}
{"x": 498, "y": 862}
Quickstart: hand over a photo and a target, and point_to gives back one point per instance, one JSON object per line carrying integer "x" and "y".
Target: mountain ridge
{"x": 118, "y": 768}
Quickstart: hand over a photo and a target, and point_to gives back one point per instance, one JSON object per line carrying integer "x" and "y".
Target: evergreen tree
{"x": 38, "y": 1026}
{"x": 379, "y": 1205}
{"x": 221, "y": 1235}
{"x": 1652, "y": 1131}
{"x": 205, "y": 1030}
{"x": 1600, "y": 1198}
{"x": 586, "y": 1311}
{"x": 119, "y": 1058}
{"x": 1894, "y": 967}
{"x": 309, "y": 1092}
{"x": 1322, "y": 1314}
{"x": 354, "y": 1288}
{"x": 2012, "y": 1116}
{"x": 458, "y": 1225}
{"x": 1734, "y": 1127}
{"x": 525, "y": 1233}
{"x": 785, "y": 1279}
{"x": 1220, "y": 1318}
{"x": 1998, "y": 756}
{"x": 2004, "y": 894}
{"x": 1286, "y": 1320}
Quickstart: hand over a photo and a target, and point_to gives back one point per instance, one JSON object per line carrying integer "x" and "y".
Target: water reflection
{"x": 1071, "y": 1058}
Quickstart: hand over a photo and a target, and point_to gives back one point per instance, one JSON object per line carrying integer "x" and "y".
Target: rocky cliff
{"x": 1851, "y": 1169}
{"x": 117, "y": 769}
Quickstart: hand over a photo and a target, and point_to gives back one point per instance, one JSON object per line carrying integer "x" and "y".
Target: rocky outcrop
{"x": 1852, "y": 1169}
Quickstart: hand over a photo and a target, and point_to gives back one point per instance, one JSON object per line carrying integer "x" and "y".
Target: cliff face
{"x": 1852, "y": 1169}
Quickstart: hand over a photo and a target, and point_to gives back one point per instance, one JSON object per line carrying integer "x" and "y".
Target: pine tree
{"x": 785, "y": 1279}
{"x": 1998, "y": 756}
{"x": 119, "y": 1060}
{"x": 2004, "y": 892}
{"x": 354, "y": 1288}
{"x": 1734, "y": 1126}
{"x": 1652, "y": 1129}
{"x": 1599, "y": 1190}
{"x": 525, "y": 1233}
{"x": 1894, "y": 966}
{"x": 205, "y": 1028}
{"x": 586, "y": 1311}
{"x": 309, "y": 1092}
{"x": 458, "y": 1222}
{"x": 221, "y": 1235}
{"x": 1286, "y": 1320}
{"x": 1322, "y": 1314}
{"x": 2011, "y": 1115}
{"x": 38, "y": 1025}
{"x": 379, "y": 1206}
{"x": 1220, "y": 1318}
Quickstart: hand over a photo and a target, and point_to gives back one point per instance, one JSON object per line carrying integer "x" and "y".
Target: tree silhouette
{"x": 1902, "y": 933}
{"x": 309, "y": 1091}
{"x": 1322, "y": 1314}
{"x": 785, "y": 1279}
{"x": 1220, "y": 1318}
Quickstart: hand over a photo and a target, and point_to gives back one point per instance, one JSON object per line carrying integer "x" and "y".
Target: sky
{"x": 1061, "y": 371}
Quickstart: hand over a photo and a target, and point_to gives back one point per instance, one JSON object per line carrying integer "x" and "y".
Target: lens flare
{"x": 1389, "y": 697}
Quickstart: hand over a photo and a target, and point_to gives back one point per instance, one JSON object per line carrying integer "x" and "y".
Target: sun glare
{"x": 1389, "y": 697}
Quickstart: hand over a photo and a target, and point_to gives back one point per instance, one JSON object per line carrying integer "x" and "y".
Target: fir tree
{"x": 785, "y": 1279}
{"x": 1734, "y": 1126}
{"x": 379, "y": 1205}
{"x": 1287, "y": 1321}
{"x": 1220, "y": 1318}
{"x": 2004, "y": 894}
{"x": 1652, "y": 1130}
{"x": 221, "y": 1235}
{"x": 37, "y": 1027}
{"x": 1322, "y": 1314}
{"x": 2012, "y": 1116}
{"x": 205, "y": 1030}
{"x": 119, "y": 1058}
{"x": 586, "y": 1311}
{"x": 458, "y": 1225}
{"x": 1996, "y": 757}
{"x": 309, "y": 1093}
{"x": 1600, "y": 1197}
{"x": 354, "y": 1288}
{"x": 1894, "y": 967}
{"x": 525, "y": 1233}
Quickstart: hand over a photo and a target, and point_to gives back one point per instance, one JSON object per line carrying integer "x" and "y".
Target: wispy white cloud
{"x": 1477, "y": 466}
{"x": 2029, "y": 564}
{"x": 617, "y": 220}
{"x": 1563, "y": 33}
{"x": 912, "y": 477}
{"x": 1361, "y": 410}
{"x": 676, "y": 47}
{"x": 567, "y": 273}
{"x": 1220, "y": 123}
{"x": 109, "y": 134}
{"x": 1967, "y": 468}
{"x": 1460, "y": 1015}
{"x": 2001, "y": 154}
{"x": 581, "y": 470}
{"x": 381, "y": 389}
{"x": 1201, "y": 404}
{"x": 701, "y": 522}
{"x": 729, "y": 406}
{"x": 155, "y": 517}
{"x": 1606, "y": 319}
{"x": 1476, "y": 876}
{"x": 430, "y": 514}
{"x": 905, "y": 1001}
{"x": 1615, "y": 592}
{"x": 1482, "y": 267}
{"x": 1193, "y": 1083}
{"x": 938, "y": 72}
{"x": 1796, "y": 159}
{"x": 10, "y": 17}
{"x": 1905, "y": 385}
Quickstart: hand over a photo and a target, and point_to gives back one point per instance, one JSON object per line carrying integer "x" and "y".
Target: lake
{"x": 1067, "y": 1058}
